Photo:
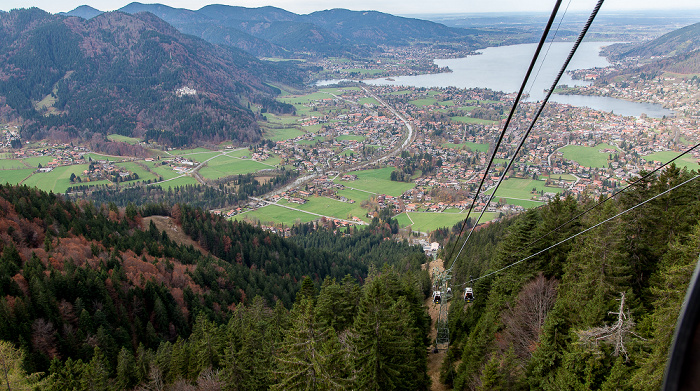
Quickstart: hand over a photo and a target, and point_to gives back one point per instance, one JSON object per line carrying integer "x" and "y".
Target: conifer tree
{"x": 310, "y": 356}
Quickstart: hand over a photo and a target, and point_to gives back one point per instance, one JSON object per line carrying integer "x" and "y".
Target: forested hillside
{"x": 66, "y": 77}
{"x": 88, "y": 293}
{"x": 594, "y": 313}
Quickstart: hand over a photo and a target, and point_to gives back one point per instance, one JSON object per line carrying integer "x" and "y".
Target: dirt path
{"x": 434, "y": 359}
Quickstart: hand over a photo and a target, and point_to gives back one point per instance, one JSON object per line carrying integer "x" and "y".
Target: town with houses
{"x": 450, "y": 131}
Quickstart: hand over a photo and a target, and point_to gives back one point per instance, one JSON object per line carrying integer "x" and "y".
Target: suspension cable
{"x": 584, "y": 231}
{"x": 543, "y": 39}
{"x": 631, "y": 185}
{"x": 581, "y": 35}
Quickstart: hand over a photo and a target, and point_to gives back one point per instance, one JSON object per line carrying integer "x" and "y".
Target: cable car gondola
{"x": 468, "y": 295}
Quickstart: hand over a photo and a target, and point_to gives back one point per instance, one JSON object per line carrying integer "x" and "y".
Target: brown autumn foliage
{"x": 524, "y": 320}
{"x": 44, "y": 337}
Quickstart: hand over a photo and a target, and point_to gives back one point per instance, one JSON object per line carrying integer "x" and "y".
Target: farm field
{"x": 588, "y": 156}
{"x": 14, "y": 177}
{"x": 164, "y": 171}
{"x": 181, "y": 152}
{"x": 36, "y": 160}
{"x": 222, "y": 166}
{"x": 565, "y": 177}
{"x": 58, "y": 179}
{"x": 527, "y": 204}
{"x": 10, "y": 164}
{"x": 124, "y": 139}
{"x": 356, "y": 195}
{"x": 369, "y": 100}
{"x": 283, "y": 134}
{"x": 276, "y": 214}
{"x": 330, "y": 207}
{"x": 686, "y": 161}
{"x": 470, "y": 145}
{"x": 521, "y": 188}
{"x": 377, "y": 181}
{"x": 428, "y": 221}
{"x": 423, "y": 102}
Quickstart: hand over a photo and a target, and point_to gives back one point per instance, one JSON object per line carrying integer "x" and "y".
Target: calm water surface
{"x": 503, "y": 68}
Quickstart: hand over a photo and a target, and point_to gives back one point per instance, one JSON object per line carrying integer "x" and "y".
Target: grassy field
{"x": 283, "y": 134}
{"x": 350, "y": 137}
{"x": 310, "y": 142}
{"x": 340, "y": 91}
{"x": 426, "y": 222}
{"x": 369, "y": 100}
{"x": 58, "y": 179}
{"x": 521, "y": 188}
{"x": 276, "y": 214}
{"x": 164, "y": 171}
{"x": 470, "y": 120}
{"x": 124, "y": 139}
{"x": 423, "y": 102}
{"x": 224, "y": 166}
{"x": 9, "y": 164}
{"x": 14, "y": 177}
{"x": 527, "y": 204}
{"x": 182, "y": 152}
{"x": 356, "y": 195}
{"x": 35, "y": 161}
{"x": 378, "y": 181}
{"x": 140, "y": 171}
{"x": 565, "y": 177}
{"x": 686, "y": 161}
{"x": 402, "y": 92}
{"x": 330, "y": 207}
{"x": 304, "y": 99}
{"x": 446, "y": 103}
{"x": 281, "y": 119}
{"x": 588, "y": 156}
{"x": 470, "y": 145}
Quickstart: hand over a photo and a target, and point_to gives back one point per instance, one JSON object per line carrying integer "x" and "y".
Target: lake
{"x": 503, "y": 68}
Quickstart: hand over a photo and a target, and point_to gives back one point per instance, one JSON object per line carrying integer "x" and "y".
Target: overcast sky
{"x": 396, "y": 7}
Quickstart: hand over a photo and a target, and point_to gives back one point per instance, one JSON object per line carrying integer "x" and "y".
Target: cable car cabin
{"x": 437, "y": 297}
{"x": 468, "y": 295}
{"x": 449, "y": 292}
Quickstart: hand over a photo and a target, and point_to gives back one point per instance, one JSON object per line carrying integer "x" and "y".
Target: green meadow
{"x": 222, "y": 166}
{"x": 377, "y": 181}
{"x": 124, "y": 139}
{"x": 283, "y": 134}
{"x": 588, "y": 156}
{"x": 428, "y": 221}
{"x": 686, "y": 161}
{"x": 14, "y": 177}
{"x": 522, "y": 188}
{"x": 274, "y": 214}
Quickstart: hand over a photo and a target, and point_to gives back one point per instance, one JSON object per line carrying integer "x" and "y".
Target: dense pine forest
{"x": 553, "y": 322}
{"x": 100, "y": 297}
{"x": 90, "y": 293}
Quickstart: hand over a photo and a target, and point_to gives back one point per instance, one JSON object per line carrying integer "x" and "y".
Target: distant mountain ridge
{"x": 677, "y": 51}
{"x": 272, "y": 31}
{"x": 120, "y": 73}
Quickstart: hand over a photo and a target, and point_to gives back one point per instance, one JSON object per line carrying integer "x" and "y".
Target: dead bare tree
{"x": 615, "y": 335}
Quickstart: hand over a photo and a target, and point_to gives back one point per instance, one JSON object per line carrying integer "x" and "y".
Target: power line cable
{"x": 581, "y": 35}
{"x": 543, "y": 39}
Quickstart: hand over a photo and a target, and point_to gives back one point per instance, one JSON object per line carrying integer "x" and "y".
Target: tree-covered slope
{"x": 553, "y": 322}
{"x": 120, "y": 73}
{"x": 100, "y": 297}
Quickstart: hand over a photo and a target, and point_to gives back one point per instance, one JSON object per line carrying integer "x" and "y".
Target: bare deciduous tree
{"x": 525, "y": 319}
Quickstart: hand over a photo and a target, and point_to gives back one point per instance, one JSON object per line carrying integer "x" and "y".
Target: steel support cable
{"x": 584, "y": 231}
{"x": 554, "y": 36}
{"x": 581, "y": 35}
{"x": 599, "y": 203}
{"x": 548, "y": 27}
